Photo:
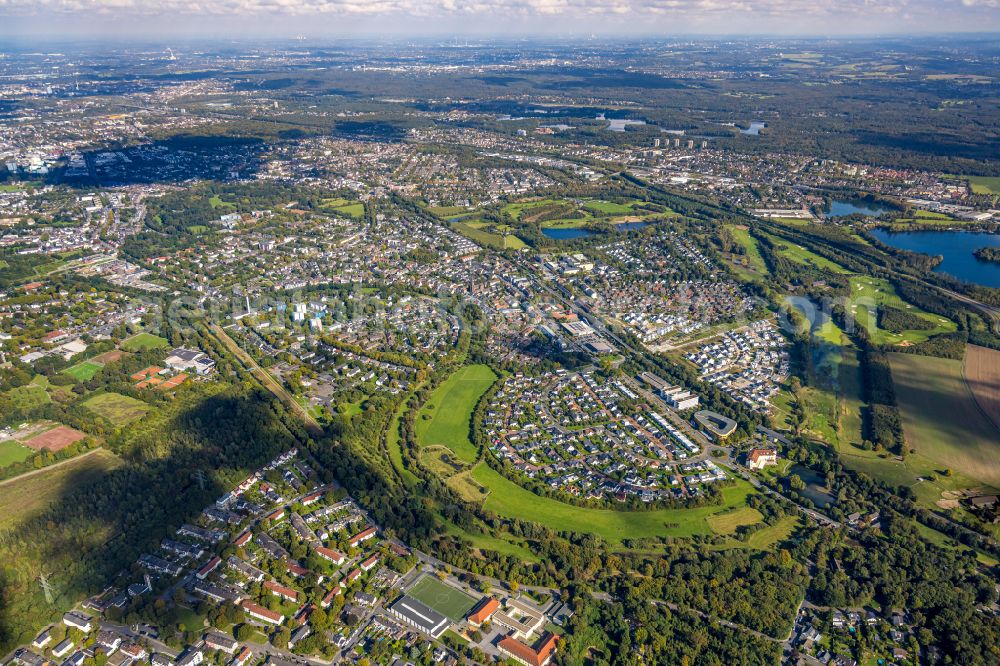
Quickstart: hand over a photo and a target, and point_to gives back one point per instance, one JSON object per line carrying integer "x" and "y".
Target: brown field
{"x": 55, "y": 440}
{"x": 110, "y": 357}
{"x": 982, "y": 374}
{"x": 941, "y": 418}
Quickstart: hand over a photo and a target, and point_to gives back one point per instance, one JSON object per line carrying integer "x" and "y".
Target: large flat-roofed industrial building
{"x": 419, "y": 616}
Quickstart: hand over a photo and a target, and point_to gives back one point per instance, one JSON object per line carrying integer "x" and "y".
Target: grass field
{"x": 609, "y": 207}
{"x": 518, "y": 209}
{"x": 83, "y": 371}
{"x": 509, "y": 499}
{"x": 867, "y": 293}
{"x": 450, "y": 407}
{"x": 142, "y": 341}
{"x": 982, "y": 374}
{"x": 766, "y": 537}
{"x": 467, "y": 487}
{"x": 351, "y": 210}
{"x": 801, "y": 255}
{"x": 500, "y": 242}
{"x": 188, "y": 617}
{"x": 119, "y": 409}
{"x": 485, "y": 541}
{"x": 941, "y": 418}
{"x": 755, "y": 260}
{"x": 215, "y": 202}
{"x": 13, "y": 452}
{"x": 728, "y": 521}
{"x": 447, "y": 211}
{"x": 27, "y": 495}
{"x": 944, "y": 541}
{"x": 29, "y": 396}
{"x": 985, "y": 184}
{"x": 445, "y": 599}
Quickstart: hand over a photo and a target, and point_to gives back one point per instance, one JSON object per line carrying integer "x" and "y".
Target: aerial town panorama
{"x": 621, "y": 348}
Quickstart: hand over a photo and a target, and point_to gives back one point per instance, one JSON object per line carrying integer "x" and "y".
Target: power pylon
{"x": 47, "y": 587}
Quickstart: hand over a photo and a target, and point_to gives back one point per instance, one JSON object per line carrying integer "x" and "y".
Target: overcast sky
{"x": 331, "y": 18}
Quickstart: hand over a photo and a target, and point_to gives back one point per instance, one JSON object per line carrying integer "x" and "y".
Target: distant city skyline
{"x": 332, "y": 18}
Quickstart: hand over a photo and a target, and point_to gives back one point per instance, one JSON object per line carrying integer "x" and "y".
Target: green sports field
{"x": 445, "y": 599}
{"x": 450, "y": 408}
{"x": 143, "y": 341}
{"x": 609, "y": 207}
{"x": 83, "y": 371}
{"x": 13, "y": 452}
{"x": 351, "y": 210}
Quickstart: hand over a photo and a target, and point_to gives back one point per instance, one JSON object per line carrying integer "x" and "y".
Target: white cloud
{"x": 629, "y": 16}
{"x": 432, "y": 7}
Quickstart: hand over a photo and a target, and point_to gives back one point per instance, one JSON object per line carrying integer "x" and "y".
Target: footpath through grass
{"x": 29, "y": 494}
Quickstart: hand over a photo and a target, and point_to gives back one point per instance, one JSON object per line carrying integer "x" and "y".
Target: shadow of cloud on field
{"x": 173, "y": 160}
{"x": 98, "y": 527}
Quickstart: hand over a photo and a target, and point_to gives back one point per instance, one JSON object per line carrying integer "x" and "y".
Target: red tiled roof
{"x": 328, "y": 599}
{"x": 281, "y": 589}
{"x": 329, "y": 554}
{"x": 296, "y": 569}
{"x": 483, "y": 610}
{"x": 257, "y": 609}
{"x": 362, "y": 535}
{"x": 536, "y": 657}
{"x": 209, "y": 567}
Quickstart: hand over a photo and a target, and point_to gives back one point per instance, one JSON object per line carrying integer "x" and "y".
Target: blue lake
{"x": 754, "y": 129}
{"x": 569, "y": 233}
{"x": 566, "y": 234}
{"x": 842, "y": 208}
{"x": 631, "y": 226}
{"x": 956, "y": 247}
{"x": 619, "y": 124}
